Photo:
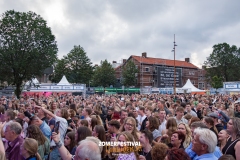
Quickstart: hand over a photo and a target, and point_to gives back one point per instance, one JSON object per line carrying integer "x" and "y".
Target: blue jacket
{"x": 194, "y": 156}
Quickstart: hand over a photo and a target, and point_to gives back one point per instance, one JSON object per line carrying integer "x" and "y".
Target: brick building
{"x": 157, "y": 72}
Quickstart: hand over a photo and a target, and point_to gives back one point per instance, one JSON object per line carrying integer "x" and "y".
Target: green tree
{"x": 224, "y": 62}
{"x": 60, "y": 69}
{"x": 216, "y": 82}
{"x": 104, "y": 75}
{"x": 129, "y": 74}
{"x": 27, "y": 47}
{"x": 79, "y": 66}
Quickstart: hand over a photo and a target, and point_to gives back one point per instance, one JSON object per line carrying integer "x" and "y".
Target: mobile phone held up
{"x": 56, "y": 127}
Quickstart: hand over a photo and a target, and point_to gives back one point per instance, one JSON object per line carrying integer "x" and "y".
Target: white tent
{"x": 64, "y": 81}
{"x": 34, "y": 81}
{"x": 189, "y": 85}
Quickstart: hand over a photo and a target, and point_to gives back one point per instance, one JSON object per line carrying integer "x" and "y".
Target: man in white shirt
{"x": 141, "y": 116}
{"x": 179, "y": 116}
{"x": 162, "y": 119}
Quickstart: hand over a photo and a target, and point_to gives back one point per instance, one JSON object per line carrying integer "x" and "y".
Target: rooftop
{"x": 166, "y": 62}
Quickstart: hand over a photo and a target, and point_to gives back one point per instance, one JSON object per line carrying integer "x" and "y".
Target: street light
{"x": 174, "y": 49}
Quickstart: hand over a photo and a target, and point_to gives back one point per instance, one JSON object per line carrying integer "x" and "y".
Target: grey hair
{"x": 207, "y": 137}
{"x": 236, "y": 126}
{"x": 15, "y": 127}
{"x": 95, "y": 140}
{"x": 88, "y": 151}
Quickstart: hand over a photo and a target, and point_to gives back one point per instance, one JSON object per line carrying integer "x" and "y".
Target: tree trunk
{"x": 18, "y": 90}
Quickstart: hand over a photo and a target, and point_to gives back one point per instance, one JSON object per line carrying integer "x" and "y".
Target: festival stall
{"x": 189, "y": 87}
{"x": 47, "y": 89}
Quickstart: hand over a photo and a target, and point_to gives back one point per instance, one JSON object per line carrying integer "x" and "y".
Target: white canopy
{"x": 34, "y": 81}
{"x": 189, "y": 85}
{"x": 64, "y": 81}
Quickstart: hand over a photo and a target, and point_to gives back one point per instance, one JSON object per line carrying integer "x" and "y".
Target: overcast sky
{"x": 116, "y": 29}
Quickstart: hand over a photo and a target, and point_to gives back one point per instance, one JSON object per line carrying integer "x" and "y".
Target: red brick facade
{"x": 147, "y": 75}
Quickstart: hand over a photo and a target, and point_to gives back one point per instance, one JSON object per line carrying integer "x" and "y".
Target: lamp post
{"x": 174, "y": 49}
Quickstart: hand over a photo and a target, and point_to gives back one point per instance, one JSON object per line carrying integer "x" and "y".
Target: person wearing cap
{"x": 215, "y": 117}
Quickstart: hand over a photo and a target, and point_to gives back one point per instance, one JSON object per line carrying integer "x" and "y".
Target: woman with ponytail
{"x": 29, "y": 149}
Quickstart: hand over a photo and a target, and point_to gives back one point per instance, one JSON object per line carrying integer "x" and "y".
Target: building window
{"x": 146, "y": 69}
{"x": 191, "y": 73}
{"x": 201, "y": 85}
{"x": 136, "y": 66}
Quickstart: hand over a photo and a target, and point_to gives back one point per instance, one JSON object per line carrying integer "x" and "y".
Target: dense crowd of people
{"x": 170, "y": 127}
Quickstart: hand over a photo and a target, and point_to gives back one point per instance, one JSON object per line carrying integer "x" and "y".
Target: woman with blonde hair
{"x": 185, "y": 129}
{"x": 43, "y": 143}
{"x": 129, "y": 125}
{"x": 128, "y": 153}
{"x": 29, "y": 149}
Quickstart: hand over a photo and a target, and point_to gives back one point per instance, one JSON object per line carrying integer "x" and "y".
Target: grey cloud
{"x": 114, "y": 30}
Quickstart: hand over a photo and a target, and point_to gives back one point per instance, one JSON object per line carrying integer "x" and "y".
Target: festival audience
{"x": 204, "y": 144}
{"x": 222, "y": 138}
{"x": 146, "y": 139}
{"x": 43, "y": 142}
{"x": 29, "y": 149}
{"x": 184, "y": 128}
{"x": 159, "y": 151}
{"x": 177, "y": 140}
{"x": 176, "y": 154}
{"x": 12, "y": 135}
{"x": 130, "y": 126}
{"x": 70, "y": 143}
{"x": 151, "y": 120}
{"x": 232, "y": 146}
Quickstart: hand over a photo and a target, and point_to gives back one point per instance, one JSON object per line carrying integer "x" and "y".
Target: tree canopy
{"x": 104, "y": 75}
{"x": 75, "y": 65}
{"x": 60, "y": 69}
{"x": 27, "y": 47}
{"x": 216, "y": 82}
{"x": 79, "y": 66}
{"x": 224, "y": 62}
{"x": 129, "y": 74}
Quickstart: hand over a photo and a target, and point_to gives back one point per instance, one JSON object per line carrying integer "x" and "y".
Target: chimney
{"x": 187, "y": 60}
{"x": 114, "y": 62}
{"x": 144, "y": 54}
{"x": 124, "y": 60}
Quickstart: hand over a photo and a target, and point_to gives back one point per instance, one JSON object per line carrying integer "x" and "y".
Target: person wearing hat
{"x": 215, "y": 118}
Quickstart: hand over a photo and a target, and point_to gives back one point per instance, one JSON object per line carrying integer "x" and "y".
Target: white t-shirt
{"x": 162, "y": 126}
{"x": 62, "y": 129}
